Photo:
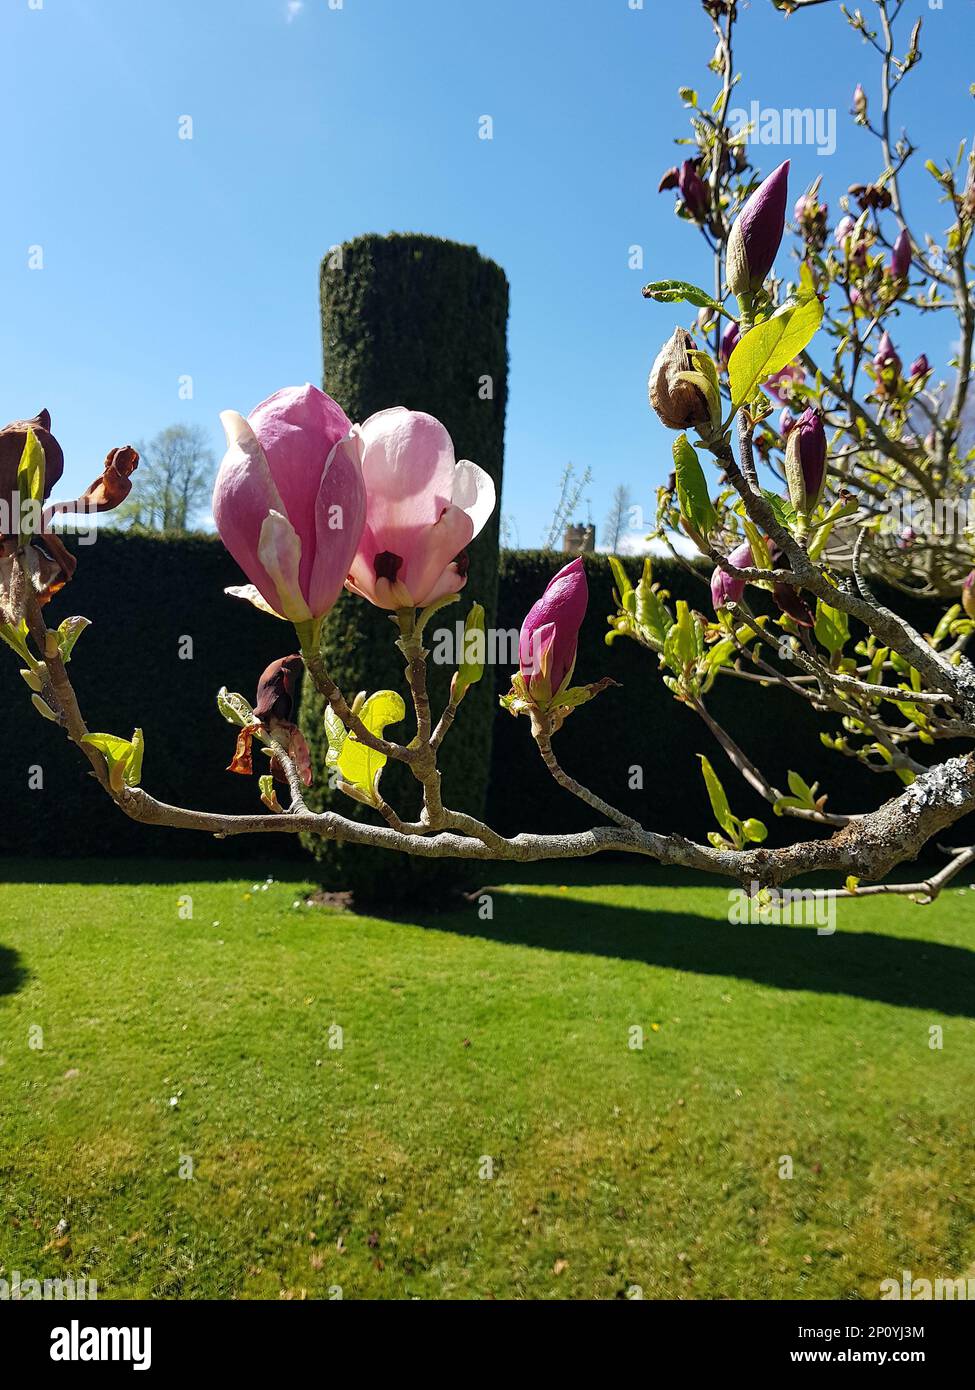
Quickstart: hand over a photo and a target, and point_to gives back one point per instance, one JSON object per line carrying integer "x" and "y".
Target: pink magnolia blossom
{"x": 289, "y": 503}
{"x": 422, "y": 509}
{"x": 549, "y": 635}
{"x": 779, "y": 386}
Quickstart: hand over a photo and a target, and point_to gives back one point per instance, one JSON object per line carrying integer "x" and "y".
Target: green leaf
{"x": 336, "y": 733}
{"x": 832, "y": 627}
{"x": 696, "y": 506}
{"x": 68, "y": 633}
{"x": 30, "y": 470}
{"x": 621, "y": 580}
{"x": 676, "y": 291}
{"x": 469, "y": 672}
{"x": 772, "y": 345}
{"x": 123, "y": 756}
{"x": 16, "y": 637}
{"x": 360, "y": 766}
{"x": 652, "y": 613}
{"x": 718, "y": 799}
{"x": 234, "y": 708}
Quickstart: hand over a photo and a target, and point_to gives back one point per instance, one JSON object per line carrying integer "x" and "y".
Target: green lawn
{"x": 361, "y": 1168}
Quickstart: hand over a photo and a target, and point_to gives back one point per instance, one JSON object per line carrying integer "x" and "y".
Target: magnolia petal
{"x": 251, "y": 594}
{"x": 279, "y": 551}
{"x": 474, "y": 493}
{"x": 434, "y": 548}
{"x": 243, "y": 495}
{"x": 340, "y": 514}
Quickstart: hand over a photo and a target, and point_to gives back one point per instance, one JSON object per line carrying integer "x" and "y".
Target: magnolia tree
{"x": 308, "y": 502}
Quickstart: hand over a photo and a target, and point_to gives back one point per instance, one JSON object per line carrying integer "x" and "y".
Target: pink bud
{"x": 757, "y": 233}
{"x": 549, "y": 635}
{"x": 900, "y": 260}
{"x": 693, "y": 190}
{"x": 724, "y": 588}
{"x": 920, "y": 367}
{"x": 729, "y": 341}
{"x": 886, "y": 360}
{"x": 786, "y": 422}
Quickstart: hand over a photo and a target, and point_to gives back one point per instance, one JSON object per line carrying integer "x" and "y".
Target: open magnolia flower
{"x": 422, "y": 509}
{"x": 289, "y": 503}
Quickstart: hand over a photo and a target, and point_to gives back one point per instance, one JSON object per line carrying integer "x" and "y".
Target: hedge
{"x": 145, "y": 595}
{"x": 419, "y": 322}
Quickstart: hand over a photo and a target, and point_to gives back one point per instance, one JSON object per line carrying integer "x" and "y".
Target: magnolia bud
{"x": 729, "y": 341}
{"x": 680, "y": 403}
{"x": 920, "y": 367}
{"x": 757, "y": 233}
{"x": 968, "y": 595}
{"x": 724, "y": 588}
{"x": 886, "y": 363}
{"x": 900, "y": 260}
{"x": 669, "y": 179}
{"x": 859, "y": 103}
{"x": 805, "y": 461}
{"x": 786, "y": 422}
{"x": 693, "y": 190}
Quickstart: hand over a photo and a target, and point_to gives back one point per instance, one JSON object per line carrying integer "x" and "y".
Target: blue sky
{"x": 165, "y": 257}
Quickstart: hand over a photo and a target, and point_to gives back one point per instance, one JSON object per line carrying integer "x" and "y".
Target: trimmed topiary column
{"x": 419, "y": 322}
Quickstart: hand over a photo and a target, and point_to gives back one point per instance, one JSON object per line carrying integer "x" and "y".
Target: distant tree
{"x": 617, "y": 517}
{"x": 173, "y": 485}
{"x": 571, "y": 489}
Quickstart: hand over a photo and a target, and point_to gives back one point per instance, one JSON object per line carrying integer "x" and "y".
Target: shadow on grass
{"x": 864, "y": 965}
{"x": 12, "y": 973}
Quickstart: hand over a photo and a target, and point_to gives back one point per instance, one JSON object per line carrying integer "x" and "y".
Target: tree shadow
{"x": 13, "y": 974}
{"x": 866, "y": 965}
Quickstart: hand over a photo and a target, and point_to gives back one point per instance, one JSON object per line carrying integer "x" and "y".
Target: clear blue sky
{"x": 165, "y": 257}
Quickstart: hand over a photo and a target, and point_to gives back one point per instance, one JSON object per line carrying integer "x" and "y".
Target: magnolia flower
{"x": 779, "y": 386}
{"x": 900, "y": 260}
{"x": 920, "y": 367}
{"x": 805, "y": 461}
{"x": 757, "y": 233}
{"x": 669, "y": 179}
{"x": 844, "y": 230}
{"x": 724, "y": 588}
{"x": 275, "y": 708}
{"x": 288, "y": 503}
{"x": 275, "y": 703}
{"x": 549, "y": 635}
{"x": 422, "y": 509}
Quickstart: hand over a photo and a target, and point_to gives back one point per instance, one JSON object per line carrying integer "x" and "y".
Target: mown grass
{"x": 465, "y": 1040}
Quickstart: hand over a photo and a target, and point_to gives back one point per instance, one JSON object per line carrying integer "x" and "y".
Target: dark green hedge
{"x": 419, "y": 322}
{"x": 145, "y": 594}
